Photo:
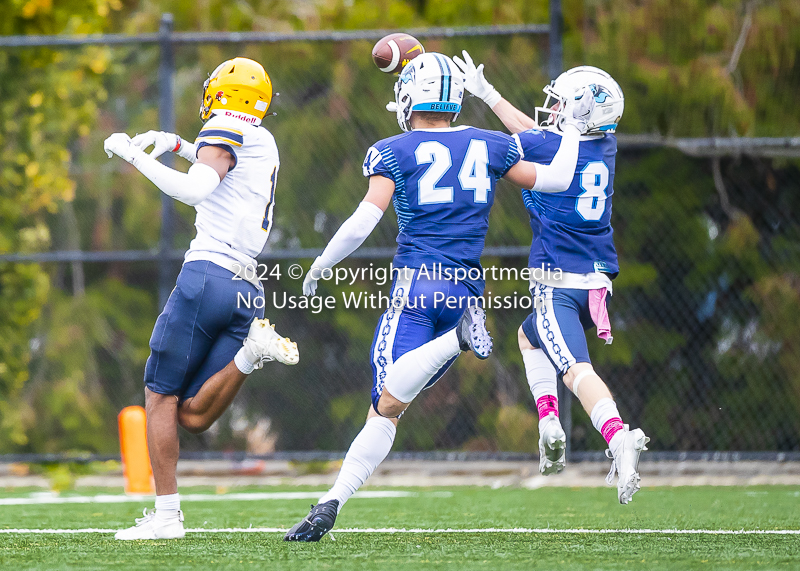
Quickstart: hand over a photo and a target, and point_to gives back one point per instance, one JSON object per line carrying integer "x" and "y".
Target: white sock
{"x": 410, "y": 373}
{"x": 606, "y": 415}
{"x": 366, "y": 452}
{"x": 167, "y": 506}
{"x": 540, "y": 372}
{"x": 242, "y": 362}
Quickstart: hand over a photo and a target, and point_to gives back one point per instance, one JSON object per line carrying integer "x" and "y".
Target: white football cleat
{"x": 552, "y": 445}
{"x": 626, "y": 464}
{"x": 150, "y": 527}
{"x": 263, "y": 344}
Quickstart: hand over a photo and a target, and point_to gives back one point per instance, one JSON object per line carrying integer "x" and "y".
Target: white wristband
{"x": 492, "y": 98}
{"x": 187, "y": 150}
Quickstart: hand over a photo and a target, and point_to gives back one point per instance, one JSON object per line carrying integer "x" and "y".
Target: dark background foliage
{"x": 706, "y": 311}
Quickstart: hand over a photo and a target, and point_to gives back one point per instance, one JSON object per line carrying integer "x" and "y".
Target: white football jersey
{"x": 234, "y": 222}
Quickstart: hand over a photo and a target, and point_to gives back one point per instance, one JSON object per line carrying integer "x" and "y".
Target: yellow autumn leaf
{"x": 31, "y": 169}
{"x": 36, "y": 99}
{"x": 99, "y": 64}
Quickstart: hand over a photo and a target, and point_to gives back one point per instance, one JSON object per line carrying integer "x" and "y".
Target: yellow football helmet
{"x": 238, "y": 88}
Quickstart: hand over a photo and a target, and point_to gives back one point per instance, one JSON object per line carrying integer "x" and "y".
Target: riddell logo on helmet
{"x": 240, "y": 116}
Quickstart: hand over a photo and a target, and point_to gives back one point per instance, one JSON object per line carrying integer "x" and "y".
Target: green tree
{"x": 49, "y": 99}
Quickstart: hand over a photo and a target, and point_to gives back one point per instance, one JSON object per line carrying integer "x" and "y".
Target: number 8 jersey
{"x": 444, "y": 189}
{"x": 572, "y": 229}
{"x": 234, "y": 222}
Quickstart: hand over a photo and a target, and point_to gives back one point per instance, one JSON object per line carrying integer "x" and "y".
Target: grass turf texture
{"x": 681, "y": 508}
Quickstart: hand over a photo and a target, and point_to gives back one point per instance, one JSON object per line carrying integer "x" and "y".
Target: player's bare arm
{"x": 217, "y": 158}
{"x": 515, "y": 120}
{"x": 381, "y": 190}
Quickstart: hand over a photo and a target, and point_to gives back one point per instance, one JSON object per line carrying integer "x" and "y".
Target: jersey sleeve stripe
{"x": 401, "y": 206}
{"x": 232, "y": 135}
{"x": 512, "y": 158}
{"x": 515, "y": 136}
{"x": 221, "y": 145}
{"x": 218, "y": 139}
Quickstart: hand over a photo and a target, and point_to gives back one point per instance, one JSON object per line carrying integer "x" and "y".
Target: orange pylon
{"x": 133, "y": 447}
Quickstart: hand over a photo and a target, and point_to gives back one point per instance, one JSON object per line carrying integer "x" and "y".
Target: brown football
{"x": 394, "y": 51}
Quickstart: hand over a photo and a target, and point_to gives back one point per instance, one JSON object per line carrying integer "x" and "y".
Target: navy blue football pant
{"x": 419, "y": 319}
{"x": 203, "y": 325}
{"x": 558, "y": 325}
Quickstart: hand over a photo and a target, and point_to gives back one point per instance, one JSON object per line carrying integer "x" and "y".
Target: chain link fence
{"x": 706, "y": 310}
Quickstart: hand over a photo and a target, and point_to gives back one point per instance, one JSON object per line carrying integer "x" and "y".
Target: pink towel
{"x": 599, "y": 313}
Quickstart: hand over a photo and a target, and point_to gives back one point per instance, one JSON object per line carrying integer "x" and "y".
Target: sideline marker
{"x": 133, "y": 448}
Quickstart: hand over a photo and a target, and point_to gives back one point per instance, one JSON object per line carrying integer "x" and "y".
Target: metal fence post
{"x": 166, "y": 119}
{"x": 555, "y": 66}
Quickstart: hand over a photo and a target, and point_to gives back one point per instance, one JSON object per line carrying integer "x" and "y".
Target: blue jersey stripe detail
{"x": 527, "y": 199}
{"x": 512, "y": 158}
{"x": 399, "y": 199}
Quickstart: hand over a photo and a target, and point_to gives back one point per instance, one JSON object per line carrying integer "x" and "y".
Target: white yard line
{"x": 120, "y": 499}
{"x": 391, "y": 530}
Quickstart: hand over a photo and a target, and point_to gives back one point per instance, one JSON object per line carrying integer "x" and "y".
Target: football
{"x": 394, "y": 51}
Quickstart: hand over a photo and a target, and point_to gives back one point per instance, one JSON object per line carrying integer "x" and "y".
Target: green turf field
{"x": 707, "y": 508}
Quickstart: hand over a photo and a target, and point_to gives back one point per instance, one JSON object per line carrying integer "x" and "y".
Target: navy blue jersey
{"x": 444, "y": 188}
{"x": 572, "y": 229}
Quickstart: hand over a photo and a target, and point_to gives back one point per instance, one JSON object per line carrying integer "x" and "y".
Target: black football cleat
{"x": 472, "y": 334}
{"x": 316, "y": 524}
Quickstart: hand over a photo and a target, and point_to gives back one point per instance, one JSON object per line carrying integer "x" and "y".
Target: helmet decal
{"x": 408, "y": 74}
{"x": 600, "y": 93}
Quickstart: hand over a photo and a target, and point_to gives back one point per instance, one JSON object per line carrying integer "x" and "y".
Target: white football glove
{"x": 579, "y": 108}
{"x": 310, "y": 281}
{"x": 162, "y": 142}
{"x": 475, "y": 82}
{"x": 120, "y": 144}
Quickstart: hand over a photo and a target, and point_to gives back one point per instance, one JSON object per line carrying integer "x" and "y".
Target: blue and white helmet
{"x": 429, "y": 82}
{"x": 609, "y": 102}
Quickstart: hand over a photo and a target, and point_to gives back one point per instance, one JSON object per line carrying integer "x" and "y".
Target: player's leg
{"x": 561, "y": 318}
{"x": 399, "y": 329}
{"x": 242, "y": 341}
{"x": 624, "y": 445}
{"x": 396, "y": 339}
{"x": 455, "y": 329}
{"x": 176, "y": 351}
{"x": 365, "y": 454}
{"x": 542, "y": 379}
{"x": 399, "y": 332}
{"x": 212, "y": 395}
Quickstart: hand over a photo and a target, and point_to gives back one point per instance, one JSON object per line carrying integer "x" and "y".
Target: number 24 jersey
{"x": 444, "y": 189}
